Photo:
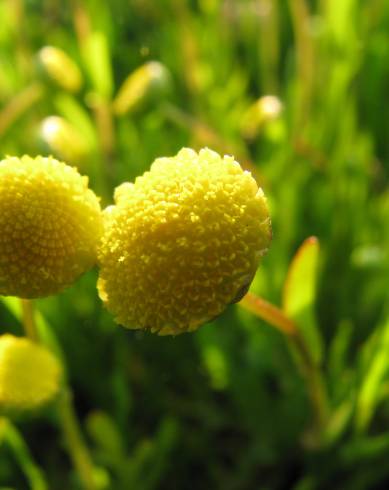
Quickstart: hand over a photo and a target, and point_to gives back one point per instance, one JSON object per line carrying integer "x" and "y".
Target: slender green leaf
{"x": 299, "y": 295}
{"x": 372, "y": 381}
{"x": 12, "y": 437}
{"x": 98, "y": 63}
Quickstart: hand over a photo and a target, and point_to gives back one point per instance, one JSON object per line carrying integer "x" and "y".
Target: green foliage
{"x": 300, "y": 294}
{"x": 225, "y": 407}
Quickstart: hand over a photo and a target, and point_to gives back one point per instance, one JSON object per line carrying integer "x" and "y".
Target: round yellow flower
{"x": 50, "y": 224}
{"x": 182, "y": 242}
{"x": 29, "y": 374}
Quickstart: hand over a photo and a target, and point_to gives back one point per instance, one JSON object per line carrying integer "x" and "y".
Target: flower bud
{"x": 50, "y": 225}
{"x": 182, "y": 242}
{"x": 149, "y": 81}
{"x": 29, "y": 374}
{"x": 63, "y": 139}
{"x": 60, "y": 68}
{"x": 265, "y": 109}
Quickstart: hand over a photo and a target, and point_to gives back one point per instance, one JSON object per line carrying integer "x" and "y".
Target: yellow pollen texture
{"x": 50, "y": 225}
{"x": 182, "y": 242}
{"x": 29, "y": 374}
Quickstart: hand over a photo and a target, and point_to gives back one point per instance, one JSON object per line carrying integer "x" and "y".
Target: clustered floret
{"x": 50, "y": 226}
{"x": 182, "y": 242}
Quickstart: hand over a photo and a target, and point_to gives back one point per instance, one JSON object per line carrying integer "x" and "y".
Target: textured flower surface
{"x": 50, "y": 224}
{"x": 29, "y": 374}
{"x": 182, "y": 242}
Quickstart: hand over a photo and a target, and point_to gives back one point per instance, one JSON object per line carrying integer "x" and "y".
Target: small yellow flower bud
{"x": 182, "y": 242}
{"x": 148, "y": 81}
{"x": 60, "y": 68}
{"x": 29, "y": 374}
{"x": 63, "y": 139}
{"x": 50, "y": 225}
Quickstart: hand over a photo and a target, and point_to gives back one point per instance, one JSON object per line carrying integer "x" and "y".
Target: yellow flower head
{"x": 182, "y": 242}
{"x": 60, "y": 68}
{"x": 29, "y": 374}
{"x": 50, "y": 224}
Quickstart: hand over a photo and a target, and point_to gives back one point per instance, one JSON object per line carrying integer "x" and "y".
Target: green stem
{"x": 74, "y": 441}
{"x": 18, "y": 105}
{"x": 189, "y": 48}
{"x": 29, "y": 320}
{"x": 104, "y": 123}
{"x": 269, "y": 44}
{"x": 105, "y": 128}
{"x": 305, "y": 53}
{"x": 310, "y": 370}
{"x": 70, "y": 426}
{"x": 269, "y": 313}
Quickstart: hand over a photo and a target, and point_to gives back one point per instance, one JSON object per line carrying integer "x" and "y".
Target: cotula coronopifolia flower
{"x": 182, "y": 242}
{"x": 30, "y": 375}
{"x": 50, "y": 225}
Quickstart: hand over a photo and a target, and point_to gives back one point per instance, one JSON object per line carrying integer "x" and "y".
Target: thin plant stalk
{"x": 74, "y": 441}
{"x": 29, "y": 320}
{"x": 305, "y": 50}
{"x": 269, "y": 43}
{"x": 19, "y": 104}
{"x": 81, "y": 20}
{"x": 105, "y": 127}
{"x": 70, "y": 426}
{"x": 189, "y": 47}
{"x": 310, "y": 370}
{"x": 100, "y": 105}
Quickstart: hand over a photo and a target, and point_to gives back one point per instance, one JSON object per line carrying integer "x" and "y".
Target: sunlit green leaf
{"x": 14, "y": 439}
{"x": 105, "y": 434}
{"x": 98, "y": 63}
{"x": 372, "y": 380}
{"x": 299, "y": 294}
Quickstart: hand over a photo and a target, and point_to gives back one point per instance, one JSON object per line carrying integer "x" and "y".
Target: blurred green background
{"x": 226, "y": 407}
